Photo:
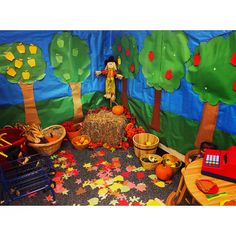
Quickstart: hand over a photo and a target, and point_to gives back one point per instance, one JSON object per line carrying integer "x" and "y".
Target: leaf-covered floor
{"x": 102, "y": 177}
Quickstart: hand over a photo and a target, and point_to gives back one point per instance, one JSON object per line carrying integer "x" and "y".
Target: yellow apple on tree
{"x": 26, "y": 75}
{"x": 31, "y": 62}
{"x": 9, "y": 56}
{"x": 20, "y": 48}
{"x": 11, "y": 72}
{"x": 18, "y": 63}
{"x": 33, "y": 49}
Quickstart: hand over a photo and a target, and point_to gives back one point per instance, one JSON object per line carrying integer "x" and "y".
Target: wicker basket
{"x": 77, "y": 146}
{"x": 50, "y": 148}
{"x": 150, "y": 165}
{"x": 170, "y": 160}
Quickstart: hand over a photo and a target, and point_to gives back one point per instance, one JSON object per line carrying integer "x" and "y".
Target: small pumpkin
{"x": 164, "y": 172}
{"x": 118, "y": 110}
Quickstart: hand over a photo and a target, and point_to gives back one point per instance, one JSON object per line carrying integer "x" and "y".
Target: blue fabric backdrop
{"x": 183, "y": 101}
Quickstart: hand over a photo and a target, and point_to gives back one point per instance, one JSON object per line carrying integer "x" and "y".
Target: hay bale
{"x": 105, "y": 126}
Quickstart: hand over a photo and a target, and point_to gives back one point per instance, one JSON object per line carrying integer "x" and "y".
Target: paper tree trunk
{"x": 208, "y": 124}
{"x": 76, "y": 95}
{"x": 155, "y": 124}
{"x": 124, "y": 97}
{"x": 31, "y": 114}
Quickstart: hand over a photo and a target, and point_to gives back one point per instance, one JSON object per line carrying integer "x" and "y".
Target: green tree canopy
{"x": 70, "y": 57}
{"x": 212, "y": 70}
{"x": 163, "y": 57}
{"x": 126, "y": 48}
{"x": 22, "y": 62}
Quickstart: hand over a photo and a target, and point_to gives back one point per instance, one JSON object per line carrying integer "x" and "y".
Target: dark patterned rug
{"x": 104, "y": 177}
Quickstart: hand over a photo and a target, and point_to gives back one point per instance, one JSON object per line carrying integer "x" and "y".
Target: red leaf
{"x": 125, "y": 174}
{"x": 151, "y": 56}
{"x": 168, "y": 74}
{"x": 49, "y": 198}
{"x": 233, "y": 59}
{"x": 234, "y": 86}
{"x": 75, "y": 172}
{"x": 123, "y": 203}
{"x": 127, "y": 52}
{"x": 196, "y": 59}
{"x": 140, "y": 175}
{"x": 132, "y": 67}
{"x": 119, "y": 47}
{"x": 137, "y": 204}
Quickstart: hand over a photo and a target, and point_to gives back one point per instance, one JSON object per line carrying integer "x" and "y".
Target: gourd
{"x": 118, "y": 110}
{"x": 164, "y": 172}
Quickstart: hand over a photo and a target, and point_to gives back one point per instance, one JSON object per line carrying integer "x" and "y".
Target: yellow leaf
{"x": 99, "y": 182}
{"x": 124, "y": 189}
{"x": 160, "y": 184}
{"x": 102, "y": 191}
{"x": 118, "y": 178}
{"x": 9, "y": 56}
{"x": 153, "y": 202}
{"x": 115, "y": 186}
{"x": 56, "y": 165}
{"x": 93, "y": 201}
{"x": 87, "y": 165}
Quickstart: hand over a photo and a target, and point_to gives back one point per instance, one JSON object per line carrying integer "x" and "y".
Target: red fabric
{"x": 207, "y": 186}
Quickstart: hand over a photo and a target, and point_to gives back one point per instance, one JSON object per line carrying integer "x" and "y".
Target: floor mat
{"x": 104, "y": 177}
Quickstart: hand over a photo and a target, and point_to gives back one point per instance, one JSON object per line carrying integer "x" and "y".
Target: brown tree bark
{"x": 207, "y": 124}
{"x": 124, "y": 97}
{"x": 31, "y": 114}
{"x": 76, "y": 95}
{"x": 155, "y": 124}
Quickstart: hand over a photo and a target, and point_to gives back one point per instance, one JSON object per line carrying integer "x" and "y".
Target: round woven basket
{"x": 150, "y": 165}
{"x": 170, "y": 160}
{"x": 78, "y": 146}
{"x": 52, "y": 147}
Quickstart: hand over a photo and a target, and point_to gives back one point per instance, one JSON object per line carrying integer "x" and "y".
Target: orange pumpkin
{"x": 118, "y": 110}
{"x": 164, "y": 172}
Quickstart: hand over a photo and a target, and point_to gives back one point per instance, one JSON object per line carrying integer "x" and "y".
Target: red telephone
{"x": 220, "y": 164}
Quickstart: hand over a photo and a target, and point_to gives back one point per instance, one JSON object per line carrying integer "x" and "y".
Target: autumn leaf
{"x": 59, "y": 188}
{"x": 141, "y": 187}
{"x": 87, "y": 165}
{"x": 49, "y": 198}
{"x": 78, "y": 181}
{"x": 140, "y": 175}
{"x": 65, "y": 192}
{"x": 80, "y": 191}
{"x": 123, "y": 203}
{"x": 93, "y": 201}
{"x": 125, "y": 174}
{"x": 113, "y": 202}
{"x": 160, "y": 184}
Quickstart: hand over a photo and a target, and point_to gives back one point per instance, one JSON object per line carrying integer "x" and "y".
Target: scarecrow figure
{"x": 111, "y": 73}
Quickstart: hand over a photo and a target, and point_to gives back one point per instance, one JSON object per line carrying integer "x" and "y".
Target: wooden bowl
{"x": 172, "y": 161}
{"x": 150, "y": 165}
{"x": 76, "y": 142}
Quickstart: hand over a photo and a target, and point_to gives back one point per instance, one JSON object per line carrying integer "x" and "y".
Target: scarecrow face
{"x": 111, "y": 65}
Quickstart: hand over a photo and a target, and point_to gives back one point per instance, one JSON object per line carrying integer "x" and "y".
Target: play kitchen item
{"x": 72, "y": 130}
{"x": 145, "y": 143}
{"x": 54, "y": 135}
{"x": 172, "y": 161}
{"x": 150, "y": 161}
{"x": 10, "y": 137}
{"x": 220, "y": 164}
{"x": 81, "y": 142}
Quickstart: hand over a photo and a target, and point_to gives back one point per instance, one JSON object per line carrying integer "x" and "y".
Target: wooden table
{"x": 193, "y": 172}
